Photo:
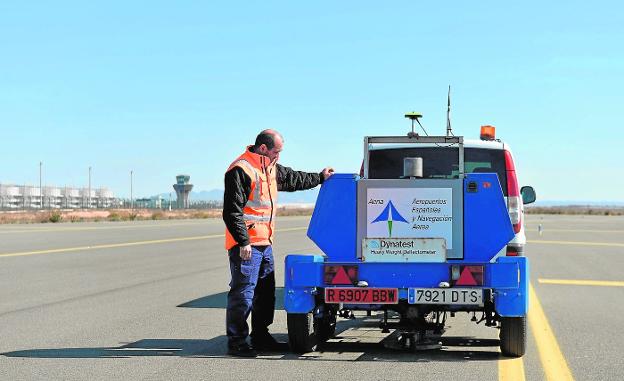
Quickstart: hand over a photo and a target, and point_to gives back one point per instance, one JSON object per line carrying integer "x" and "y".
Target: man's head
{"x": 269, "y": 143}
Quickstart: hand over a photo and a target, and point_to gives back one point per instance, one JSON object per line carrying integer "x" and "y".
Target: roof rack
{"x": 415, "y": 139}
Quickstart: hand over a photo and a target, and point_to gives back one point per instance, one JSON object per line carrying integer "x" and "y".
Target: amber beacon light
{"x": 488, "y": 132}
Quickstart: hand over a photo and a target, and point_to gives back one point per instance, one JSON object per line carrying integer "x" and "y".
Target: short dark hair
{"x": 267, "y": 138}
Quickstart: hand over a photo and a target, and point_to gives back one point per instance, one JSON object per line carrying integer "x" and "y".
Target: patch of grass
{"x": 114, "y": 217}
{"x": 200, "y": 215}
{"x": 55, "y": 217}
{"x": 575, "y": 210}
{"x": 294, "y": 211}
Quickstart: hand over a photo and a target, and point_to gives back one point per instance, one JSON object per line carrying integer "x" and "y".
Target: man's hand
{"x": 327, "y": 172}
{"x": 245, "y": 252}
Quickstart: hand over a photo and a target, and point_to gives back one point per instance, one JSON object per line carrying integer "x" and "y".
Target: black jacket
{"x": 238, "y": 188}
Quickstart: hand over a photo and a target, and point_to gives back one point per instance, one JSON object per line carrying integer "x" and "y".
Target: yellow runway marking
{"x": 577, "y": 243}
{"x": 110, "y": 246}
{"x": 581, "y": 282}
{"x": 291, "y": 229}
{"x": 71, "y": 229}
{"x": 511, "y": 370}
{"x": 126, "y": 244}
{"x": 553, "y": 362}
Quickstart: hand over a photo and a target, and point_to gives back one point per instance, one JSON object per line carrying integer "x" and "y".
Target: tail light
{"x": 512, "y": 251}
{"x": 471, "y": 275}
{"x": 514, "y": 202}
{"x": 340, "y": 274}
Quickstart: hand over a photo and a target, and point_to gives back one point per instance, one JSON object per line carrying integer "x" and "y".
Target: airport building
{"x": 18, "y": 197}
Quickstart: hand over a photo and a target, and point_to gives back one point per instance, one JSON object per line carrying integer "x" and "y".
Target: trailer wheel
{"x": 301, "y": 335}
{"x": 513, "y": 336}
{"x": 325, "y": 327}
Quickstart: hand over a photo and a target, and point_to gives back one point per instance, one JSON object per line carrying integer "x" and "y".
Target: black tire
{"x": 325, "y": 327}
{"x": 513, "y": 336}
{"x": 301, "y": 335}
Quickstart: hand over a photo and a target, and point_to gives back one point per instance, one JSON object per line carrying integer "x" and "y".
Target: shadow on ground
{"x": 220, "y": 300}
{"x": 344, "y": 347}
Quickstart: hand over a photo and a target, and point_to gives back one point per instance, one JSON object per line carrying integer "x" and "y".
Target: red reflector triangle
{"x": 466, "y": 278}
{"x": 341, "y": 277}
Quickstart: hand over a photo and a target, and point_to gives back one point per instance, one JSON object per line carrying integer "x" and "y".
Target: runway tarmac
{"x": 146, "y": 300}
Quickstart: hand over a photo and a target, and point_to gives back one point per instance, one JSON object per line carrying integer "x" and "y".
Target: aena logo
{"x": 389, "y": 214}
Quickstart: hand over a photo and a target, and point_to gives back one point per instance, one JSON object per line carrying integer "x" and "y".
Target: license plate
{"x": 354, "y": 295}
{"x": 473, "y": 296}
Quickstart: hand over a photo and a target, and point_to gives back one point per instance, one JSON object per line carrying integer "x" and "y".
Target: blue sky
{"x": 163, "y": 88}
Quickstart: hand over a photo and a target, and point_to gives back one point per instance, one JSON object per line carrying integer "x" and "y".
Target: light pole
{"x": 89, "y": 196}
{"x": 40, "y": 187}
{"x": 131, "y": 199}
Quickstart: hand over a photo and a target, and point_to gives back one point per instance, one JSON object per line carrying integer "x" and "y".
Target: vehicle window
{"x": 438, "y": 162}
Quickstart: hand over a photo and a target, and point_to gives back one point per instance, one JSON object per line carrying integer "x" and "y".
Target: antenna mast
{"x": 449, "y": 130}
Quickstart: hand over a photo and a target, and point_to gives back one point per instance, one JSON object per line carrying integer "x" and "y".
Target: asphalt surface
{"x": 146, "y": 300}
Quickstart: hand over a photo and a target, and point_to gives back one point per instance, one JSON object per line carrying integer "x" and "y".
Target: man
{"x": 249, "y": 204}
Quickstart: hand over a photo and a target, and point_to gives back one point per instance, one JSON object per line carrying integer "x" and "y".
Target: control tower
{"x": 183, "y": 188}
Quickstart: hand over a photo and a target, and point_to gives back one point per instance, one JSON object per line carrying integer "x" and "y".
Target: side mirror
{"x": 528, "y": 195}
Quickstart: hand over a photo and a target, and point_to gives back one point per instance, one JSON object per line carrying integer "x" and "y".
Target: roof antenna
{"x": 413, "y": 116}
{"x": 449, "y": 130}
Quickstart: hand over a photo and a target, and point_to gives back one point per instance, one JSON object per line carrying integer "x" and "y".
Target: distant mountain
{"x": 301, "y": 197}
{"x": 578, "y": 203}
{"x": 210, "y": 195}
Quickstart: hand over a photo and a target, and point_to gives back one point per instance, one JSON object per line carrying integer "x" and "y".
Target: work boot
{"x": 268, "y": 343}
{"x": 241, "y": 350}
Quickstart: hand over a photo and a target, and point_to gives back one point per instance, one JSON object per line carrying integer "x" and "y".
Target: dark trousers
{"x": 252, "y": 290}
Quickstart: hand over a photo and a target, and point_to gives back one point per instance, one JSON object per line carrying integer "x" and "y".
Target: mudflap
{"x": 300, "y": 280}
{"x": 510, "y": 283}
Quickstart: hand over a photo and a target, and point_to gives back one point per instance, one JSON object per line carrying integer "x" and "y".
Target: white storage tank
{"x": 71, "y": 192}
{"x": 11, "y": 191}
{"x": 31, "y": 191}
{"x": 52, "y": 192}
{"x": 105, "y": 193}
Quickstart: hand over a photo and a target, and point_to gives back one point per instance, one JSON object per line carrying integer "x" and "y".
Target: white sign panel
{"x": 410, "y": 213}
{"x": 404, "y": 250}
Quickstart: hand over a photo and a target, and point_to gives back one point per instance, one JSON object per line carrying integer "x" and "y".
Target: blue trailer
{"x": 417, "y": 248}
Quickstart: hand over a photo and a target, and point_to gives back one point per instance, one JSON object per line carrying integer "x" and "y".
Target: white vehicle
{"x": 487, "y": 155}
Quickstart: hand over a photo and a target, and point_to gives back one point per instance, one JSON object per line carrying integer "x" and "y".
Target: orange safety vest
{"x": 259, "y": 211}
